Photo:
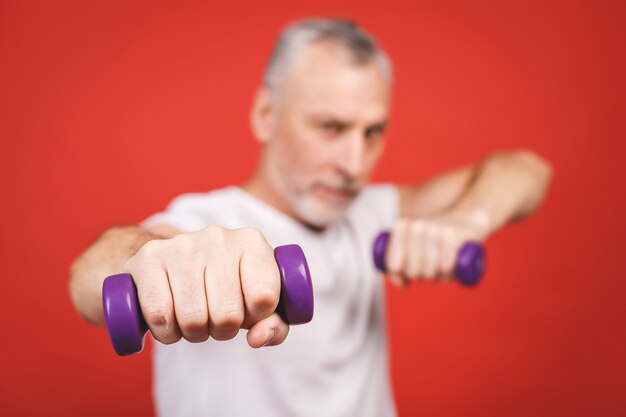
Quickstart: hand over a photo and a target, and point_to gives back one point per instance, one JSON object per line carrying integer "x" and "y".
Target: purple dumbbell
{"x": 469, "y": 267}
{"x": 127, "y": 326}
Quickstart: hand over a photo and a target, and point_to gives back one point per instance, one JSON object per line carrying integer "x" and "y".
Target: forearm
{"x": 505, "y": 187}
{"x": 106, "y": 256}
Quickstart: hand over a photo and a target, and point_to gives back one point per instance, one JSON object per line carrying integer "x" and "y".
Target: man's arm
{"x": 435, "y": 194}
{"x": 505, "y": 186}
{"x": 470, "y": 203}
{"x": 106, "y": 256}
{"x": 208, "y": 283}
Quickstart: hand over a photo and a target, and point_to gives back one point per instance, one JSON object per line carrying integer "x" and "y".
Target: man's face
{"x": 328, "y": 120}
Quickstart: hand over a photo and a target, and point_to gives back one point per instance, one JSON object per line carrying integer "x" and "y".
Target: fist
{"x": 209, "y": 283}
{"x": 426, "y": 248}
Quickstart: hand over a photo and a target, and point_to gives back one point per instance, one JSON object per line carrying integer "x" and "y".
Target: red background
{"x": 108, "y": 111}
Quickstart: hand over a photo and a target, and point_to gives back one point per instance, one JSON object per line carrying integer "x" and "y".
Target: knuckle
{"x": 222, "y": 334}
{"x": 430, "y": 230}
{"x": 198, "y": 337}
{"x": 225, "y": 322}
{"x": 447, "y": 232}
{"x": 452, "y": 241}
{"x": 254, "y": 235}
{"x": 263, "y": 299}
{"x": 446, "y": 270}
{"x": 393, "y": 264}
{"x": 437, "y": 230}
{"x": 394, "y": 260}
{"x": 184, "y": 243}
{"x": 395, "y": 269}
{"x": 169, "y": 339}
{"x": 214, "y": 234}
{"x": 193, "y": 321}
{"x": 149, "y": 250}
{"x": 416, "y": 226}
{"x": 157, "y": 316}
{"x": 280, "y": 338}
{"x": 412, "y": 270}
{"x": 401, "y": 223}
{"x": 414, "y": 273}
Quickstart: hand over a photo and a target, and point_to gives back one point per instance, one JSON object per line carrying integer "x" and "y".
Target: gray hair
{"x": 360, "y": 45}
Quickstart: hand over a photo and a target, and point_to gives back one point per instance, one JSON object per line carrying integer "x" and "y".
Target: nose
{"x": 351, "y": 157}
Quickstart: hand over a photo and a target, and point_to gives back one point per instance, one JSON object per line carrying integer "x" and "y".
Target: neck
{"x": 261, "y": 187}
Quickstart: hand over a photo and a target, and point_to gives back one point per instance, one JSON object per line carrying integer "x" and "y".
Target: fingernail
{"x": 270, "y": 337}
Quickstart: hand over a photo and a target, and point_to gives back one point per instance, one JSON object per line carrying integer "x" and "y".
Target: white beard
{"x": 311, "y": 211}
{"x": 308, "y": 209}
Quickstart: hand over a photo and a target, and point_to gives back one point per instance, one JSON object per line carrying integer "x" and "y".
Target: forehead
{"x": 325, "y": 78}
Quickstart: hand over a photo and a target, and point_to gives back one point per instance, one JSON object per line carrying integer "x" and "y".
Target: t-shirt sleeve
{"x": 179, "y": 214}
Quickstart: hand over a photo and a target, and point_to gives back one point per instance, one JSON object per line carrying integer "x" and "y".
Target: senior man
{"x": 204, "y": 268}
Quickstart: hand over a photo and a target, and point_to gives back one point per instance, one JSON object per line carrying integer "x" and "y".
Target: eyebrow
{"x": 326, "y": 116}
{"x": 382, "y": 124}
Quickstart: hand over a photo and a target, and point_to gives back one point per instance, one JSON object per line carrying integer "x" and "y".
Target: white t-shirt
{"x": 336, "y": 365}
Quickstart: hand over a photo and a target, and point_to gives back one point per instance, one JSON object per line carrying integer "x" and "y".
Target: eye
{"x": 374, "y": 132}
{"x": 332, "y": 127}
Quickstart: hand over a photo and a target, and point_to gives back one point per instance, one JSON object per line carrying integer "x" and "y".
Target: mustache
{"x": 347, "y": 186}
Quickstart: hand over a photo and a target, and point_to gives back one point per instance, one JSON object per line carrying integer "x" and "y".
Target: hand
{"x": 209, "y": 283}
{"x": 427, "y": 247}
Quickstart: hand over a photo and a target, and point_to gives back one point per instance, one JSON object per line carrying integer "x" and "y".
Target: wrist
{"x": 477, "y": 219}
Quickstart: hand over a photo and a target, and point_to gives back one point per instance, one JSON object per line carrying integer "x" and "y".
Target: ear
{"x": 262, "y": 115}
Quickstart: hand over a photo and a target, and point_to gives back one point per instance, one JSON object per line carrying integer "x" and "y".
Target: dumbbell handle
{"x": 127, "y": 327}
{"x": 468, "y": 269}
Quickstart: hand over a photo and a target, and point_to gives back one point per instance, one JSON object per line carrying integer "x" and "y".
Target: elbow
{"x": 525, "y": 160}
{"x": 536, "y": 165}
{"x": 71, "y": 285}
{"x": 538, "y": 173}
{"x": 73, "y": 288}
{"x": 78, "y": 293}
{"x": 531, "y": 174}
